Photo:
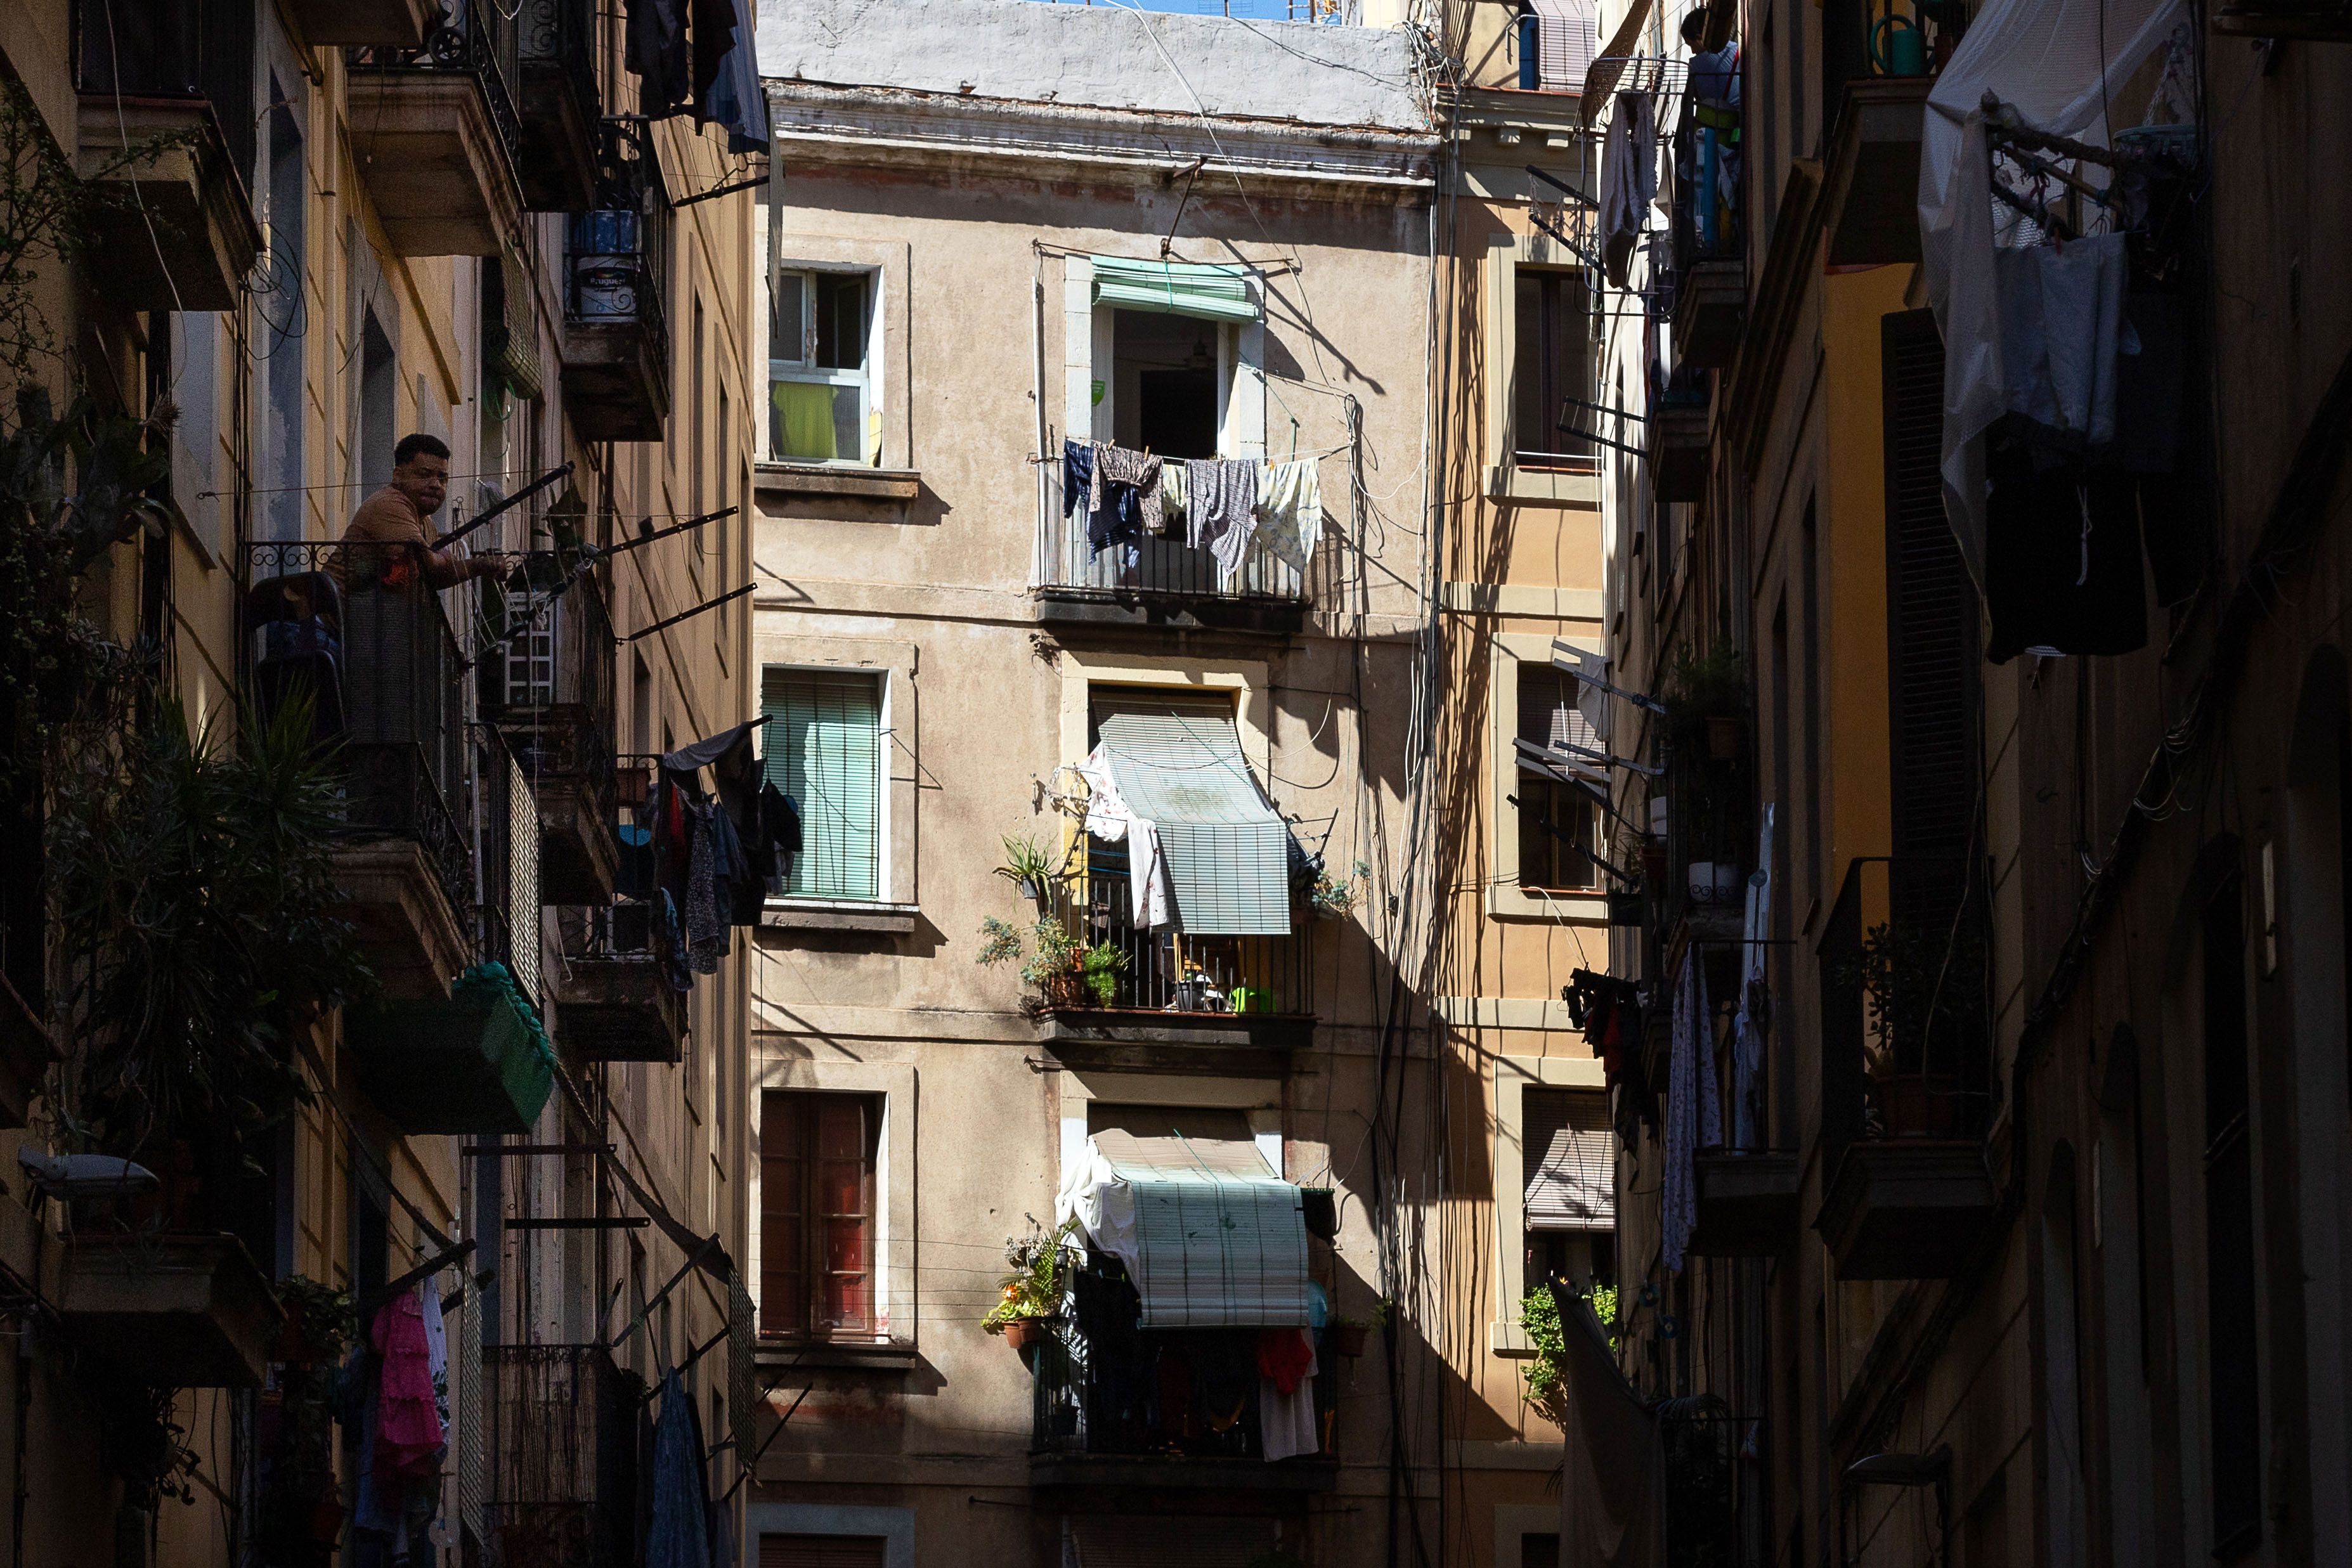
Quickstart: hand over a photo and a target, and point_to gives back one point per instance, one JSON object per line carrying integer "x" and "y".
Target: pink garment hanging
{"x": 408, "y": 1434}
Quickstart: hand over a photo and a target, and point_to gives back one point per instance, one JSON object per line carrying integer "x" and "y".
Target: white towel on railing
{"x": 1147, "y": 870}
{"x": 1110, "y": 818}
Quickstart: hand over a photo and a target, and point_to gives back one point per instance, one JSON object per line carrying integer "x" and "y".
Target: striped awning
{"x": 1214, "y": 291}
{"x": 1181, "y": 769}
{"x": 1210, "y": 1235}
{"x": 1572, "y": 1166}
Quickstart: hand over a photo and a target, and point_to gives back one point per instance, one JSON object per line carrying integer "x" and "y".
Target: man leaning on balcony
{"x": 396, "y": 516}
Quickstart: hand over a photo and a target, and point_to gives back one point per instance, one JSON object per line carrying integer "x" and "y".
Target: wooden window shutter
{"x": 844, "y": 1193}
{"x": 822, "y": 1551}
{"x": 783, "y": 1232}
{"x": 818, "y": 1213}
{"x": 1931, "y": 612}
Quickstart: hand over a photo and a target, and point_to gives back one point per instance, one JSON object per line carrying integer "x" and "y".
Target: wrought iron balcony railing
{"x": 476, "y": 38}
{"x": 1182, "y": 1395}
{"x": 1171, "y": 971}
{"x": 355, "y": 630}
{"x": 1167, "y": 568}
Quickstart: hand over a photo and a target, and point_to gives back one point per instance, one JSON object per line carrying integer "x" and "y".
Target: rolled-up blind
{"x": 1219, "y": 1239}
{"x": 1178, "y": 765}
{"x": 1212, "y": 289}
{"x": 824, "y": 750}
{"x": 1570, "y": 1166}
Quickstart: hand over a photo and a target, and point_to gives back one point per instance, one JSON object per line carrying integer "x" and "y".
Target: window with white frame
{"x": 820, "y": 387}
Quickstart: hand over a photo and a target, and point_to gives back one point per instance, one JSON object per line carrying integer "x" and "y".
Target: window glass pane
{"x": 841, "y": 320}
{"x": 824, "y": 751}
{"x": 1551, "y": 364}
{"x": 840, "y": 1130}
{"x": 1546, "y": 859}
{"x": 1532, "y": 418}
{"x": 788, "y": 320}
{"x": 848, "y": 1301}
{"x": 848, "y": 423}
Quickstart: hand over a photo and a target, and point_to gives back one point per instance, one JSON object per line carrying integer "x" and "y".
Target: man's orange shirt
{"x": 390, "y": 518}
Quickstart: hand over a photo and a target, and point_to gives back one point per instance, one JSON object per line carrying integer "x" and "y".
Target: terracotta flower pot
{"x": 1918, "y": 1104}
{"x": 1023, "y": 1333}
{"x": 1348, "y": 1340}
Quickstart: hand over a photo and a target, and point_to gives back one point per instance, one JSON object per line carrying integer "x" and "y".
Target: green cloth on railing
{"x": 489, "y": 982}
{"x": 804, "y": 421}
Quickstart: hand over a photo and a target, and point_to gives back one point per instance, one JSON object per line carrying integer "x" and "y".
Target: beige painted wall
{"x": 682, "y": 1129}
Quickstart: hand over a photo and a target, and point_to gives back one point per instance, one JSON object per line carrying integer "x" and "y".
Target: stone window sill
{"x": 837, "y": 480}
{"x": 839, "y": 914}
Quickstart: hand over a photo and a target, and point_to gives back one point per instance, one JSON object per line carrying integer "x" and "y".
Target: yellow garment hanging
{"x": 804, "y": 421}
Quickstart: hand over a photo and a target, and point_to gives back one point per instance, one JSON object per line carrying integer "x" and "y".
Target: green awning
{"x": 1214, "y": 291}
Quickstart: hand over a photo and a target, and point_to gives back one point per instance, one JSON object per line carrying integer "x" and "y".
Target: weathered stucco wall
{"x": 1103, "y": 56}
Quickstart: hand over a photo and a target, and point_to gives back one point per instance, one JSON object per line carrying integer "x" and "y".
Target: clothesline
{"x": 1033, "y": 458}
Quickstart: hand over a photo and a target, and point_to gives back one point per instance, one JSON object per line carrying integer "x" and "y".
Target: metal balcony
{"x": 559, "y": 106}
{"x": 617, "y": 998}
{"x": 546, "y": 685}
{"x": 172, "y": 229}
{"x": 1906, "y": 1068}
{"x": 436, "y": 136}
{"x": 1158, "y": 584}
{"x": 615, "y": 333}
{"x": 351, "y": 630}
{"x": 1101, "y": 1415}
{"x": 1185, "y": 992}
{"x": 1710, "y": 246}
{"x": 561, "y": 1437}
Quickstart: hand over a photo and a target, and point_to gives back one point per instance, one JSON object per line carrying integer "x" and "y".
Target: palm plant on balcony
{"x": 197, "y": 907}
{"x": 1026, "y": 865}
{"x": 194, "y": 908}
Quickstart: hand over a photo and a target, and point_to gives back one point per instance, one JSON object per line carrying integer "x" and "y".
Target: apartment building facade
{"x": 1989, "y": 1019}
{"x": 1163, "y": 239}
{"x": 1520, "y": 826}
{"x": 304, "y": 233}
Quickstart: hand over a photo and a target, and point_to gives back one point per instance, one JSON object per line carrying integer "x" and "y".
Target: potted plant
{"x": 1026, "y": 866}
{"x": 1031, "y": 1304}
{"x": 1064, "y": 971}
{"x": 1350, "y": 1336}
{"x": 1706, "y": 698}
{"x": 1334, "y": 897}
{"x": 1545, "y": 1377}
{"x": 1919, "y": 992}
{"x": 302, "y": 1512}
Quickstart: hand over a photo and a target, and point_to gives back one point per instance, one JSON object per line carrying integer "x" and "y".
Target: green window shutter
{"x": 824, "y": 750}
{"x": 1215, "y": 290}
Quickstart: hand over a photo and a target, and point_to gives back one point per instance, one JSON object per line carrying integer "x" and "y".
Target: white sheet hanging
{"x": 2043, "y": 58}
{"x": 1693, "y": 1114}
{"x": 1109, "y": 818}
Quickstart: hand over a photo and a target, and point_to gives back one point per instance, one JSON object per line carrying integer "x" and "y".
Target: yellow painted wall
{"x": 1853, "y": 527}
